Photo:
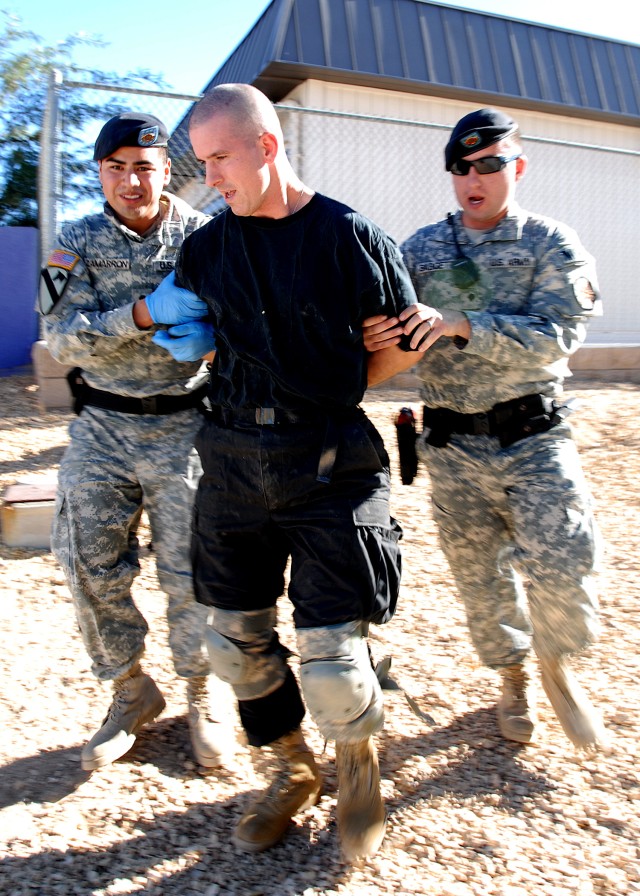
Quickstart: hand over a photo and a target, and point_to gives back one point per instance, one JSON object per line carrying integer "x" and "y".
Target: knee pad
{"x": 339, "y": 683}
{"x": 245, "y": 652}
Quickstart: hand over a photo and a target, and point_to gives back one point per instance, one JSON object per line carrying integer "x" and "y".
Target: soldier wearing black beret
{"x": 131, "y": 444}
{"x": 507, "y": 296}
{"x": 129, "y": 129}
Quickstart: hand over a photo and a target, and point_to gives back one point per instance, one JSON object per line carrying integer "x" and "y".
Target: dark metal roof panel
{"x": 421, "y": 46}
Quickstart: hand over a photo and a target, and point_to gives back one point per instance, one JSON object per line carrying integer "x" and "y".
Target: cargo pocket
{"x": 379, "y": 537}
{"x": 60, "y": 534}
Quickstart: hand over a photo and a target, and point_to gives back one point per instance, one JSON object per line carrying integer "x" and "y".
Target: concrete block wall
{"x": 51, "y": 376}
{"x": 609, "y": 363}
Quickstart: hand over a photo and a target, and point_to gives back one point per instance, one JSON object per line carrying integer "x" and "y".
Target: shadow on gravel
{"x": 177, "y": 853}
{"x": 33, "y": 460}
{"x": 182, "y": 854}
{"x": 487, "y": 765}
{"x": 166, "y": 745}
{"x": 45, "y": 778}
{"x": 52, "y": 775}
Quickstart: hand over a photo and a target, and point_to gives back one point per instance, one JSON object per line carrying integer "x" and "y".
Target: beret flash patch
{"x": 148, "y": 136}
{"x": 470, "y": 140}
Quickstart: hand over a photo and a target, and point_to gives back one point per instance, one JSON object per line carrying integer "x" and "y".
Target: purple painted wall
{"x": 19, "y": 270}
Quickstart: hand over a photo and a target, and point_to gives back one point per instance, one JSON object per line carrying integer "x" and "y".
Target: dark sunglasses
{"x": 487, "y": 165}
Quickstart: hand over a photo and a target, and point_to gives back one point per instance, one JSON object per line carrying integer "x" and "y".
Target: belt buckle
{"x": 149, "y": 404}
{"x": 265, "y": 416}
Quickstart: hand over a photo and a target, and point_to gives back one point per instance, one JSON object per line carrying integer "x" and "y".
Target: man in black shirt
{"x": 292, "y": 466}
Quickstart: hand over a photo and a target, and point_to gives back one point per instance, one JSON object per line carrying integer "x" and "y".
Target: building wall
{"x": 18, "y": 288}
{"x": 394, "y": 173}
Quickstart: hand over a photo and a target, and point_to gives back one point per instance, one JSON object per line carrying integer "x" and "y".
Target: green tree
{"x": 26, "y": 64}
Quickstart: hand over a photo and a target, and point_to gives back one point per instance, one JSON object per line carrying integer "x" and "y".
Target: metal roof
{"x": 430, "y": 48}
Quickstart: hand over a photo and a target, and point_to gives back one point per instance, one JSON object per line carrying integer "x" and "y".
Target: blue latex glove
{"x": 187, "y": 342}
{"x": 171, "y": 304}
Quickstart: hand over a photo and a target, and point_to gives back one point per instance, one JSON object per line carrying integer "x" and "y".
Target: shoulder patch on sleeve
{"x": 61, "y": 258}
{"x": 585, "y": 293}
{"x": 54, "y": 278}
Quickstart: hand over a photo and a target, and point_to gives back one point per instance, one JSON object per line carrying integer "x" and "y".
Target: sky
{"x": 189, "y": 44}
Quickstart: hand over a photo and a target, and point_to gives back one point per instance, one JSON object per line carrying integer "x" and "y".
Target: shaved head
{"x": 252, "y": 112}
{"x": 235, "y": 131}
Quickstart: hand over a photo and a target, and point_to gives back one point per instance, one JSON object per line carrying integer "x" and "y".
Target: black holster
{"x": 509, "y": 421}
{"x": 405, "y": 424}
{"x": 78, "y": 388}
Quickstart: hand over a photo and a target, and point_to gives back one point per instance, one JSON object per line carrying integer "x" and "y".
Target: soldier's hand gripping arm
{"x": 419, "y": 325}
{"x": 172, "y": 304}
{"x": 188, "y": 342}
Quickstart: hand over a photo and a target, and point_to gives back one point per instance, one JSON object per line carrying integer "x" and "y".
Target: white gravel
{"x": 469, "y": 815}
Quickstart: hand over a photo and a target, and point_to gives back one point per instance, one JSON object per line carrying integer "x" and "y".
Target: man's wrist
{"x": 457, "y": 326}
{"x": 141, "y": 317}
{"x": 464, "y": 328}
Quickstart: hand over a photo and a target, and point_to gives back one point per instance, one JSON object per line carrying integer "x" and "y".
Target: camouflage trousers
{"x": 115, "y": 466}
{"x": 517, "y": 528}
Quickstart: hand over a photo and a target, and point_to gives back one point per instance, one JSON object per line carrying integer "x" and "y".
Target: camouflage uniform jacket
{"x": 529, "y": 308}
{"x": 92, "y": 325}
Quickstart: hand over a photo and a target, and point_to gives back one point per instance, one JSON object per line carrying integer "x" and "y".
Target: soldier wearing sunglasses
{"x": 507, "y": 296}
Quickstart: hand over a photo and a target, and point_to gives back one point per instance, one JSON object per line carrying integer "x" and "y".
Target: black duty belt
{"x": 85, "y": 395}
{"x": 510, "y": 421}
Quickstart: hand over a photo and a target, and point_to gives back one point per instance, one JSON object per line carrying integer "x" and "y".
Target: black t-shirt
{"x": 287, "y": 299}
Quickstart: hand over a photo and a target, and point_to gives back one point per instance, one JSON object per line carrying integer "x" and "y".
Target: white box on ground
{"x": 27, "y": 512}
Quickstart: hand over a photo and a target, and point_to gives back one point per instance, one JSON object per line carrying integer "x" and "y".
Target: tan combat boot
{"x": 360, "y": 812}
{"x": 577, "y": 715}
{"x": 212, "y": 740}
{"x": 136, "y": 701}
{"x": 517, "y": 704}
{"x": 296, "y": 785}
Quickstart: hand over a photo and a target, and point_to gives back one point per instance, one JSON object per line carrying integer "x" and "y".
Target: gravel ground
{"x": 469, "y": 815}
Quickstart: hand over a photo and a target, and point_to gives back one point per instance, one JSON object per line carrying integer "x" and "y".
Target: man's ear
{"x": 521, "y": 166}
{"x": 269, "y": 144}
{"x": 167, "y": 172}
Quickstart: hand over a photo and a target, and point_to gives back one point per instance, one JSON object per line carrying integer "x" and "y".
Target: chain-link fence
{"x": 391, "y": 170}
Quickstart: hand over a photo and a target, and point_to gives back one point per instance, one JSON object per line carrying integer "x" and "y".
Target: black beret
{"x": 129, "y": 129}
{"x": 476, "y": 131}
